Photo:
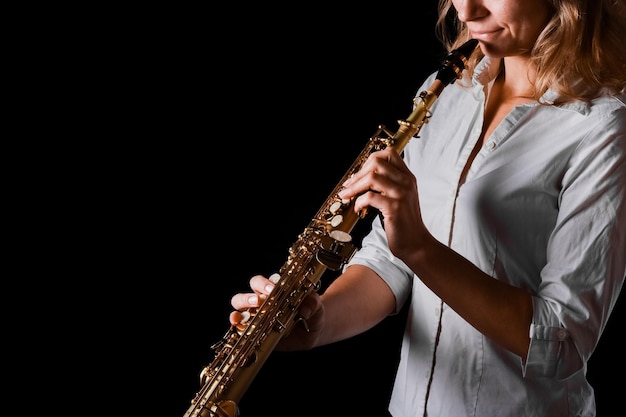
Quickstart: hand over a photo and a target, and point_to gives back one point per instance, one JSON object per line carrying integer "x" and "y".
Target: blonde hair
{"x": 580, "y": 54}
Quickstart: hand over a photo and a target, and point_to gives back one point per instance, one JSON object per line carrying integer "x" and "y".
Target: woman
{"x": 504, "y": 224}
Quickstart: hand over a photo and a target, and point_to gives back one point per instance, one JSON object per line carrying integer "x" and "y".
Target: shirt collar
{"x": 488, "y": 69}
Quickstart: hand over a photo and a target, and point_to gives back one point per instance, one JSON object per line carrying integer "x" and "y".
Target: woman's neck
{"x": 516, "y": 78}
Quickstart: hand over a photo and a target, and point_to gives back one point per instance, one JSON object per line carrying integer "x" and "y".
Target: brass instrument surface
{"x": 324, "y": 244}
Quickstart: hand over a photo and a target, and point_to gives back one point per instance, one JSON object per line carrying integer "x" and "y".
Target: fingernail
{"x": 269, "y": 287}
{"x": 253, "y": 300}
{"x": 245, "y": 316}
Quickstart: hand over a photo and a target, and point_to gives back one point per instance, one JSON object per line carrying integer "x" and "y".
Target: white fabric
{"x": 543, "y": 207}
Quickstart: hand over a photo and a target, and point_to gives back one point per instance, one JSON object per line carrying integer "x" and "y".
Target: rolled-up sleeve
{"x": 586, "y": 254}
{"x": 376, "y": 255}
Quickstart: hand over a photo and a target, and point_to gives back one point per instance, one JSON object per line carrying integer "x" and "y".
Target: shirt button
{"x": 561, "y": 334}
{"x": 490, "y": 145}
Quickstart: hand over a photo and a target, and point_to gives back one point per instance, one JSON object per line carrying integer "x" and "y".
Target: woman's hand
{"x": 385, "y": 183}
{"x": 310, "y": 319}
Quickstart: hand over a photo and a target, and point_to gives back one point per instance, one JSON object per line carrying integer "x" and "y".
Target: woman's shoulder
{"x": 610, "y": 108}
{"x": 603, "y": 107}
{"x": 617, "y": 101}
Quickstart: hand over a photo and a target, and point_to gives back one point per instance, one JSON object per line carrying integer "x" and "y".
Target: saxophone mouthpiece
{"x": 454, "y": 63}
{"x": 467, "y": 49}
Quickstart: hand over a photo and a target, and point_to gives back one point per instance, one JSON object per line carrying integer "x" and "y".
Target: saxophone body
{"x": 324, "y": 244}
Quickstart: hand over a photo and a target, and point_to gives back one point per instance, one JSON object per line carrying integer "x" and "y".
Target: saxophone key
{"x": 334, "y": 208}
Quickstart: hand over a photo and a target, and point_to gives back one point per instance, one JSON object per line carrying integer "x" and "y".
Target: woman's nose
{"x": 469, "y": 9}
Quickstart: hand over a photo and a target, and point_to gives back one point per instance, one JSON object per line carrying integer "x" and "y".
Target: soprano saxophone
{"x": 326, "y": 243}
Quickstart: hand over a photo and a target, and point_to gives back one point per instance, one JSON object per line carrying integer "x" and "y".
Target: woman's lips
{"x": 484, "y": 35}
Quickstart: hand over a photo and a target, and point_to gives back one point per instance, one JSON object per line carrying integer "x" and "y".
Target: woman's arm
{"x": 353, "y": 303}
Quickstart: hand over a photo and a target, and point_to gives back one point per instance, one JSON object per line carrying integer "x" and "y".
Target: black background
{"x": 243, "y": 121}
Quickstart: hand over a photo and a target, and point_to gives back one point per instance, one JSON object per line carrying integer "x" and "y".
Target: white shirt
{"x": 543, "y": 208}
